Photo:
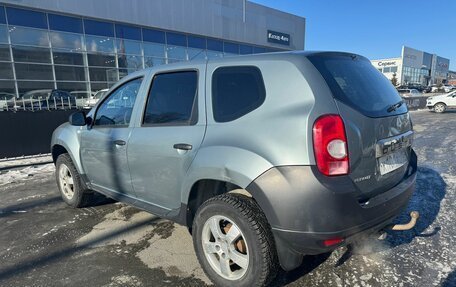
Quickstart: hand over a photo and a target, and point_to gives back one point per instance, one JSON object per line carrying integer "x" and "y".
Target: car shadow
{"x": 450, "y": 281}
{"x": 309, "y": 263}
{"x": 429, "y": 192}
{"x": 37, "y": 261}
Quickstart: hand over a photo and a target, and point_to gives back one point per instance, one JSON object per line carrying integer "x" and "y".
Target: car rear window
{"x": 236, "y": 91}
{"x": 355, "y": 82}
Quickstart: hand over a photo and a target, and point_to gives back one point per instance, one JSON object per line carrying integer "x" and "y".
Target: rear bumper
{"x": 305, "y": 208}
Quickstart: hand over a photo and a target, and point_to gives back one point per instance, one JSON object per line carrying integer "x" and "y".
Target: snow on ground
{"x": 23, "y": 161}
{"x": 37, "y": 172}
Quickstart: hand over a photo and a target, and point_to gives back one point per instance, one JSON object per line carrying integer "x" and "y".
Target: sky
{"x": 376, "y": 29}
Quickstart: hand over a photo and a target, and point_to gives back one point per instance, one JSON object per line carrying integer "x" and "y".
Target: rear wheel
{"x": 69, "y": 182}
{"x": 233, "y": 242}
{"x": 439, "y": 108}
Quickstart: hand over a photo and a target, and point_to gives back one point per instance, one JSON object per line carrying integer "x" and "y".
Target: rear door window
{"x": 172, "y": 99}
{"x": 236, "y": 91}
{"x": 354, "y": 81}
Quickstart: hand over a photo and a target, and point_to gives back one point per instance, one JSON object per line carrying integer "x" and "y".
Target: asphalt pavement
{"x": 43, "y": 242}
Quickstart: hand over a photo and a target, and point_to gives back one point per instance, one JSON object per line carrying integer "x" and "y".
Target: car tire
{"x": 71, "y": 187}
{"x": 243, "y": 256}
{"x": 439, "y": 108}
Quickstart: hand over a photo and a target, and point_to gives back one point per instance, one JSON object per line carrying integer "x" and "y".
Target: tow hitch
{"x": 399, "y": 227}
{"x": 414, "y": 215}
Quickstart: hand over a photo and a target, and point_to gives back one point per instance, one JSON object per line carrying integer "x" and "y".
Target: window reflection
{"x": 154, "y": 61}
{"x": 72, "y": 42}
{"x": 3, "y": 34}
{"x": 155, "y": 50}
{"x": 196, "y": 54}
{"x": 214, "y": 54}
{"x": 176, "y": 52}
{"x": 130, "y": 61}
{"x": 101, "y": 60}
{"x": 125, "y": 72}
{"x": 99, "y": 44}
{"x": 29, "y": 36}
{"x": 128, "y": 47}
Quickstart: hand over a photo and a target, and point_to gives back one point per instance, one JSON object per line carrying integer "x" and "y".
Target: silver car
{"x": 265, "y": 158}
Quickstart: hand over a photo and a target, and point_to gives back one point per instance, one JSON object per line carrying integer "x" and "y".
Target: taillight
{"x": 330, "y": 145}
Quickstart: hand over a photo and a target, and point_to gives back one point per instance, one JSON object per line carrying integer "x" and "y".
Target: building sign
{"x": 278, "y": 38}
{"x": 386, "y": 63}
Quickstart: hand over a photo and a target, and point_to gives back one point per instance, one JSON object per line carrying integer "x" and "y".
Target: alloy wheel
{"x": 225, "y": 247}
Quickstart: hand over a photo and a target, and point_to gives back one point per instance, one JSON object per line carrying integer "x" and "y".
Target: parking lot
{"x": 45, "y": 243}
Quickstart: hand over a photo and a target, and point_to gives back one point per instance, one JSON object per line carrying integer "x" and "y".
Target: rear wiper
{"x": 394, "y": 107}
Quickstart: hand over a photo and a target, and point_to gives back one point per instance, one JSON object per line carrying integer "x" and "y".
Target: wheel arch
{"x": 65, "y": 140}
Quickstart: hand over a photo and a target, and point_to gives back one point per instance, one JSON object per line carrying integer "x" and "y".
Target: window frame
{"x": 244, "y": 113}
{"x": 106, "y": 97}
{"x": 194, "y": 117}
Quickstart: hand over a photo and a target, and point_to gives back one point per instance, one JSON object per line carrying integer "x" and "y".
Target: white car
{"x": 409, "y": 93}
{"x": 441, "y": 103}
{"x": 96, "y": 97}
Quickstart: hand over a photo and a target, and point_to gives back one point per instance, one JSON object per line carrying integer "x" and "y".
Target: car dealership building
{"x": 88, "y": 45}
{"x": 415, "y": 66}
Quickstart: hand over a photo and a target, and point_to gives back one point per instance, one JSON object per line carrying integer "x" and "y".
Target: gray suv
{"x": 265, "y": 158}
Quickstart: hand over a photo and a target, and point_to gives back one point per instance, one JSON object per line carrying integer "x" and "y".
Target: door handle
{"x": 183, "y": 146}
{"x": 120, "y": 142}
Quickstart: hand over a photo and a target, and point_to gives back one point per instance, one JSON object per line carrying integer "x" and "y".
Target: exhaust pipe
{"x": 401, "y": 227}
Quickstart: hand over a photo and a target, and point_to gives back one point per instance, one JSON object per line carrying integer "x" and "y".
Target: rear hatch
{"x": 377, "y": 123}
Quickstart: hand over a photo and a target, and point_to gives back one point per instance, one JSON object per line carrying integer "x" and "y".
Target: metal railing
{"x": 39, "y": 104}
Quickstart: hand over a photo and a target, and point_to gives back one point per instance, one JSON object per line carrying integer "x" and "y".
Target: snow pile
{"x": 11, "y": 163}
{"x": 18, "y": 175}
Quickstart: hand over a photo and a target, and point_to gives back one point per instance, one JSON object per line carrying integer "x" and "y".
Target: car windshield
{"x": 355, "y": 82}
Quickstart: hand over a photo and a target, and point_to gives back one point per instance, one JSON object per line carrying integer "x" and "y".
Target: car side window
{"x": 116, "y": 110}
{"x": 236, "y": 91}
{"x": 172, "y": 99}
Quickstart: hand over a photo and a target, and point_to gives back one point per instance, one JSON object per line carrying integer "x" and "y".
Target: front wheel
{"x": 233, "y": 242}
{"x": 70, "y": 184}
{"x": 439, "y": 108}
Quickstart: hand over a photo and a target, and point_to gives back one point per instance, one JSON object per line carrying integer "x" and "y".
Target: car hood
{"x": 438, "y": 97}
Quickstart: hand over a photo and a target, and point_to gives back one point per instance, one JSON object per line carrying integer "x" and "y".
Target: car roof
{"x": 239, "y": 58}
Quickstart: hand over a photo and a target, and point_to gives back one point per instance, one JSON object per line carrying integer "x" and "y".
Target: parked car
{"x": 46, "y": 99}
{"x": 82, "y": 98}
{"x": 448, "y": 88}
{"x": 96, "y": 97}
{"x": 441, "y": 103}
{"x": 409, "y": 93}
{"x": 417, "y": 86}
{"x": 262, "y": 167}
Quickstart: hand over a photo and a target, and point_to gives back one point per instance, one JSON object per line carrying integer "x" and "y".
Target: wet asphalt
{"x": 45, "y": 243}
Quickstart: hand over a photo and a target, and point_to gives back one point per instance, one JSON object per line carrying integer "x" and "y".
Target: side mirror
{"x": 78, "y": 119}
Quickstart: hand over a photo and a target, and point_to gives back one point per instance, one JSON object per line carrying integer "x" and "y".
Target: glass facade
{"x": 415, "y": 75}
{"x": 45, "y": 51}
